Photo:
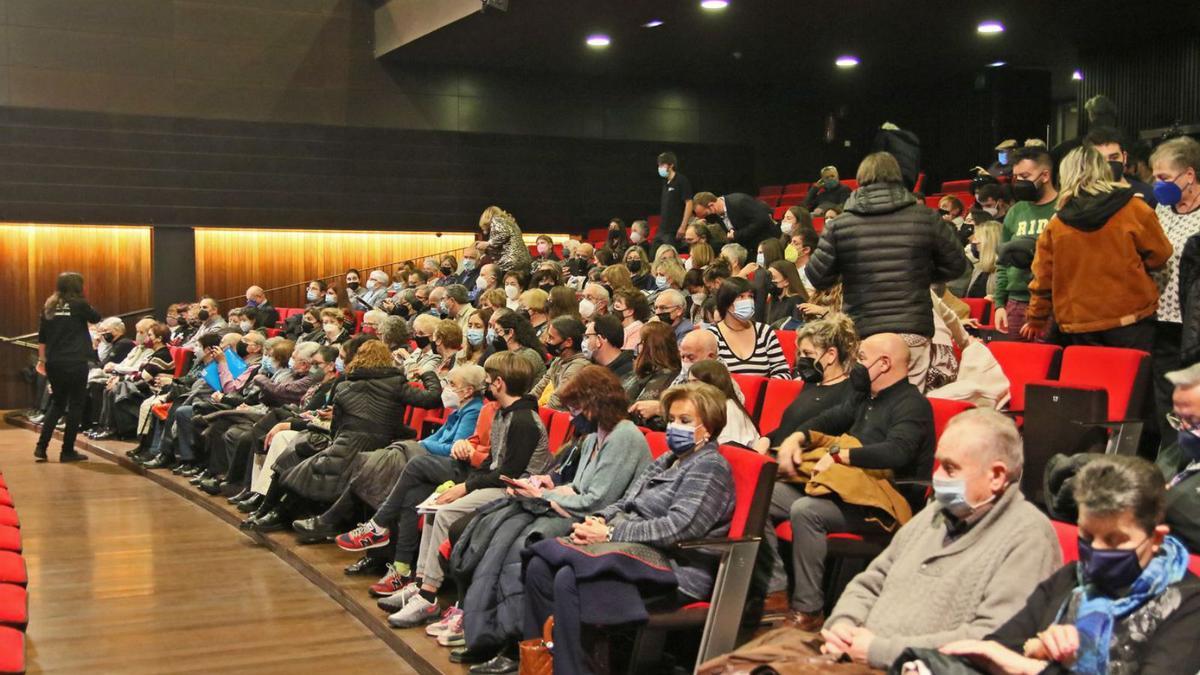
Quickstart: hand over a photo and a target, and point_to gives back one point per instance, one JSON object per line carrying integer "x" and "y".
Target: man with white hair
{"x": 963, "y": 565}
{"x": 594, "y": 302}
{"x": 671, "y": 309}
{"x": 1180, "y": 461}
{"x": 376, "y": 292}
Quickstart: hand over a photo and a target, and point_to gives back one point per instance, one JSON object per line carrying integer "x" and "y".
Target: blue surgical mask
{"x": 468, "y": 264}
{"x": 312, "y": 296}
{"x": 761, "y": 259}
{"x": 951, "y": 493}
{"x": 743, "y": 309}
{"x": 291, "y": 364}
{"x": 475, "y": 336}
{"x": 662, "y": 172}
{"x": 340, "y": 364}
{"x": 252, "y": 303}
{"x": 1111, "y": 570}
{"x": 269, "y": 367}
{"x": 1167, "y": 192}
{"x": 491, "y": 334}
{"x": 660, "y": 282}
{"x": 681, "y": 438}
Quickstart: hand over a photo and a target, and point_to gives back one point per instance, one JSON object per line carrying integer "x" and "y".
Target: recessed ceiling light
{"x": 846, "y": 61}
{"x": 1077, "y": 76}
{"x": 997, "y": 64}
{"x": 714, "y": 5}
{"x": 990, "y": 27}
{"x": 653, "y": 23}
{"x": 598, "y": 40}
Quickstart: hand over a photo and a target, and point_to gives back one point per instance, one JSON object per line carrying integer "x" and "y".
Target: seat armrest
{"x": 717, "y": 542}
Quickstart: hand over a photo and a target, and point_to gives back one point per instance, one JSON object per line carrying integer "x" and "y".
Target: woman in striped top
{"x": 745, "y": 346}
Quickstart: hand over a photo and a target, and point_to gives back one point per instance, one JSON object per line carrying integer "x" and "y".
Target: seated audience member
{"x": 602, "y": 344}
{"x": 377, "y": 471}
{"x": 532, "y": 304}
{"x": 769, "y": 252}
{"x": 804, "y": 241}
{"x": 447, "y": 271}
{"x": 102, "y": 384}
{"x": 353, "y": 287}
{"x": 447, "y": 344}
{"x": 827, "y": 190}
{"x": 374, "y": 294}
{"x": 666, "y": 252}
{"x": 735, "y": 255}
{"x": 512, "y": 332}
{"x": 685, "y": 494}
{"x": 993, "y": 199}
{"x": 739, "y": 427}
{"x": 265, "y": 314}
{"x": 368, "y": 410}
{"x": 514, "y": 285}
{"x": 371, "y": 321}
{"x": 562, "y": 302}
{"x": 545, "y": 249}
{"x": 637, "y": 262}
{"x": 631, "y": 307}
{"x": 316, "y": 295}
{"x": 982, "y": 251}
{"x": 209, "y": 319}
{"x": 1129, "y": 605}
{"x": 639, "y": 236}
{"x": 1179, "y": 458}
{"x": 563, "y": 340}
{"x": 697, "y": 293}
{"x": 487, "y": 279}
{"x": 696, "y": 346}
{"x": 396, "y": 335}
{"x": 617, "y": 278}
{"x": 887, "y": 249}
{"x": 457, "y": 305}
{"x": 744, "y": 345}
{"x": 159, "y": 448}
{"x": 519, "y": 444}
{"x": 493, "y": 300}
{"x": 796, "y": 218}
{"x": 671, "y": 309}
{"x": 952, "y": 211}
{"x": 716, "y": 273}
{"x": 654, "y": 369}
{"x": 594, "y": 302}
{"x": 468, "y": 269}
{"x": 111, "y": 344}
{"x": 475, "y": 337}
{"x": 611, "y": 453}
{"x": 1102, "y": 243}
{"x": 617, "y": 240}
{"x": 581, "y": 260}
{"x": 153, "y": 374}
{"x": 785, "y": 295}
{"x": 963, "y": 564}
{"x": 177, "y": 324}
{"x": 333, "y": 327}
{"x": 894, "y": 424}
{"x": 424, "y": 356}
{"x": 700, "y": 257}
{"x": 306, "y": 327}
{"x": 605, "y": 256}
{"x": 433, "y": 271}
{"x": 668, "y": 275}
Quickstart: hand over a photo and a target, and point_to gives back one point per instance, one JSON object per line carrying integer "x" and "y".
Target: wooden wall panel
{"x": 114, "y": 262}
{"x": 228, "y": 261}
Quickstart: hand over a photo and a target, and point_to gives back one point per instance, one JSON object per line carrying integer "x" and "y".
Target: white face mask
{"x": 450, "y": 398}
{"x": 245, "y": 326}
{"x": 687, "y": 264}
{"x": 991, "y": 210}
{"x": 785, "y": 227}
{"x": 372, "y": 284}
{"x": 331, "y": 298}
{"x": 481, "y": 283}
{"x": 586, "y": 308}
{"x": 512, "y": 292}
{"x": 635, "y": 237}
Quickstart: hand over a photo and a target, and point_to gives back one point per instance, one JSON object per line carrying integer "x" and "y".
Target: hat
{"x": 1034, "y": 143}
{"x": 1007, "y": 145}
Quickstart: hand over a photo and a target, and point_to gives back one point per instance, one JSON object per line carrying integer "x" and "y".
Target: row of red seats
{"x": 793, "y": 193}
{"x": 285, "y": 312}
{"x": 14, "y": 598}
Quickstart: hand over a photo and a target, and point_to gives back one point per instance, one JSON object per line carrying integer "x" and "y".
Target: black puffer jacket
{"x": 887, "y": 248}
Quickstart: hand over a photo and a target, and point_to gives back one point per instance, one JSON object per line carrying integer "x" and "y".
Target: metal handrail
{"x": 23, "y": 340}
{"x": 390, "y": 267}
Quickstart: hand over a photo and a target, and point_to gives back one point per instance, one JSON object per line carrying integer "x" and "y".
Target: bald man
{"x": 894, "y": 423}
{"x": 257, "y": 302}
{"x": 696, "y": 346}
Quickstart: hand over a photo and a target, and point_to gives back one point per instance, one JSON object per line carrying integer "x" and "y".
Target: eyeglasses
{"x": 1181, "y": 424}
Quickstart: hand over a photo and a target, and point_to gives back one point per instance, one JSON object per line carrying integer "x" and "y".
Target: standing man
{"x": 1036, "y": 199}
{"x": 747, "y": 220}
{"x": 64, "y": 349}
{"x": 675, "y": 206}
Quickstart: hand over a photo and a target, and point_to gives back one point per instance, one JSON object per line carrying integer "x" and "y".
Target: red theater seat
{"x": 1122, "y": 372}
{"x": 8, "y": 516}
{"x": 1022, "y": 363}
{"x": 943, "y": 411}
{"x": 652, "y": 224}
{"x": 559, "y": 430}
{"x": 981, "y": 309}
{"x": 752, "y": 387}
{"x": 956, "y": 186}
{"x": 14, "y": 605}
{"x": 770, "y": 191}
{"x": 792, "y": 199}
{"x": 12, "y": 568}
{"x": 5, "y": 498}
{"x": 658, "y": 443}
{"x": 10, "y": 538}
{"x": 819, "y": 224}
{"x": 787, "y": 342}
{"x": 850, "y": 183}
{"x": 800, "y": 188}
{"x": 779, "y": 395}
{"x": 12, "y": 650}
{"x": 780, "y": 212}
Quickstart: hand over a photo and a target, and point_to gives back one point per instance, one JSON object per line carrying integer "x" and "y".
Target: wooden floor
{"x": 127, "y": 576}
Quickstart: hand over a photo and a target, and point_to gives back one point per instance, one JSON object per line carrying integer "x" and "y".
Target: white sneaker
{"x": 396, "y": 601}
{"x": 417, "y": 612}
{"x": 436, "y": 629}
{"x": 454, "y": 635}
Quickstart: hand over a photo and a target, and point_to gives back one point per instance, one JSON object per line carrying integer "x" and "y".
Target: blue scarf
{"x": 1097, "y": 613}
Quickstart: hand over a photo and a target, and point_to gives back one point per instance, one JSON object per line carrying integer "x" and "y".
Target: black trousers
{"x": 398, "y": 512}
{"x": 68, "y": 383}
{"x": 1165, "y": 358}
{"x": 1134, "y": 336}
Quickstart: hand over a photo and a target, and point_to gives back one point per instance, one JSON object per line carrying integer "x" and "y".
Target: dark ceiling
{"x": 792, "y": 43}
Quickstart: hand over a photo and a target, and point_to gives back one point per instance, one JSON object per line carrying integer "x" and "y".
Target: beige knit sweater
{"x": 924, "y": 592}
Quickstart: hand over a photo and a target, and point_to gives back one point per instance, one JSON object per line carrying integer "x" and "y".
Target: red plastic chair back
{"x": 787, "y": 342}
{"x": 981, "y": 309}
{"x": 1022, "y": 363}
{"x": 749, "y": 470}
{"x": 559, "y": 429}
{"x": 779, "y": 395}
{"x": 943, "y": 411}
{"x": 752, "y": 387}
{"x": 1119, "y": 371}
{"x": 658, "y": 443}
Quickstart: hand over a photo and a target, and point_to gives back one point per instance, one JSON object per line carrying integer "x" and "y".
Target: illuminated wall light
{"x": 653, "y": 23}
{"x": 598, "y": 41}
{"x": 997, "y": 64}
{"x": 1077, "y": 76}
{"x": 990, "y": 27}
{"x": 714, "y": 5}
{"x": 846, "y": 61}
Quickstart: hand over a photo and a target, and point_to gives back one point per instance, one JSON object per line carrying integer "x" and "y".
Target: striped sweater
{"x": 766, "y": 360}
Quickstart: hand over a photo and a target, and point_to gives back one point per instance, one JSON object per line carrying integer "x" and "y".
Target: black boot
{"x": 314, "y": 530}
{"x": 251, "y": 503}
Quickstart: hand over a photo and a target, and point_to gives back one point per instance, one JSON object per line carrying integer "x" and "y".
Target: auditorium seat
{"x": 779, "y": 212}
{"x": 956, "y": 186}
{"x": 652, "y": 225}
{"x": 5, "y": 498}
{"x": 753, "y": 480}
{"x": 559, "y": 430}
{"x": 769, "y": 201}
{"x": 12, "y": 568}
{"x": 12, "y": 650}
{"x": 770, "y": 191}
{"x": 752, "y": 387}
{"x": 787, "y": 342}
{"x": 943, "y": 410}
{"x": 10, "y": 538}
{"x": 920, "y": 182}
{"x": 932, "y": 201}
{"x": 792, "y": 199}
{"x": 1022, "y": 363}
{"x": 850, "y": 183}
{"x": 8, "y": 516}
{"x": 981, "y": 310}
{"x": 797, "y": 188}
{"x": 1124, "y": 373}
{"x": 14, "y": 605}
{"x": 779, "y": 395}
{"x": 658, "y": 443}
{"x": 819, "y": 224}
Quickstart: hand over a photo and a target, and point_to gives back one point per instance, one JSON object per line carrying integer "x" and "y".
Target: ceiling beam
{"x": 399, "y": 22}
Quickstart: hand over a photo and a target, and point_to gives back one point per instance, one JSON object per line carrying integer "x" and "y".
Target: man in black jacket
{"x": 894, "y": 424}
{"x": 256, "y": 301}
{"x": 748, "y": 219}
{"x": 887, "y": 249}
{"x": 1179, "y": 458}
{"x": 827, "y": 190}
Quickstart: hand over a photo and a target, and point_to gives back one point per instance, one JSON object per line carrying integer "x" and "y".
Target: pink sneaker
{"x": 448, "y": 616}
{"x": 363, "y": 537}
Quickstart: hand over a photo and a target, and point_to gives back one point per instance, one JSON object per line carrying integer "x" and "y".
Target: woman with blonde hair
{"x": 618, "y": 278}
{"x": 503, "y": 242}
{"x": 1092, "y": 264}
{"x": 668, "y": 273}
{"x": 701, "y": 256}
{"x": 982, "y": 252}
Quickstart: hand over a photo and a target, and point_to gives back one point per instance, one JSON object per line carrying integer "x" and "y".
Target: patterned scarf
{"x": 1097, "y": 613}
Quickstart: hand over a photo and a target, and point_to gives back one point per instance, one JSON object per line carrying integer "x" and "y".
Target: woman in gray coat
{"x": 503, "y": 241}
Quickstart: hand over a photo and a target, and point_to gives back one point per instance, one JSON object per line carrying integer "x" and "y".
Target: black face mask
{"x": 447, "y": 270}
{"x": 665, "y": 317}
{"x": 202, "y": 315}
{"x": 309, "y": 326}
{"x": 242, "y": 349}
{"x": 487, "y": 393}
{"x": 1118, "y": 170}
{"x": 499, "y": 344}
{"x": 109, "y": 337}
{"x": 860, "y": 378}
{"x": 352, "y": 285}
{"x": 1025, "y": 191}
{"x": 554, "y": 349}
{"x": 774, "y": 290}
{"x": 634, "y": 265}
{"x": 547, "y": 287}
{"x": 583, "y": 425}
{"x": 809, "y": 370}
{"x": 421, "y": 340}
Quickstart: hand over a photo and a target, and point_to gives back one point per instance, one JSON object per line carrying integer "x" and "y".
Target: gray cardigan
{"x": 601, "y": 479}
{"x": 925, "y": 591}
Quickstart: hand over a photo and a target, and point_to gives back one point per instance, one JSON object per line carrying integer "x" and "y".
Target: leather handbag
{"x": 536, "y": 655}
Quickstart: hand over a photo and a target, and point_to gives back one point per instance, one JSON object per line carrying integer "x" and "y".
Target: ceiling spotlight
{"x": 1077, "y": 76}
{"x": 598, "y": 41}
{"x": 997, "y": 64}
{"x": 652, "y": 23}
{"x": 714, "y": 5}
{"x": 990, "y": 27}
{"x": 846, "y": 61}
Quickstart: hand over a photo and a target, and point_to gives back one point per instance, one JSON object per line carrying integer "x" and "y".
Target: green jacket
{"x": 1025, "y": 220}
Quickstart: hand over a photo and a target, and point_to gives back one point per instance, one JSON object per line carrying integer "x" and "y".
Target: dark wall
{"x": 1153, "y": 84}
{"x": 275, "y": 113}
